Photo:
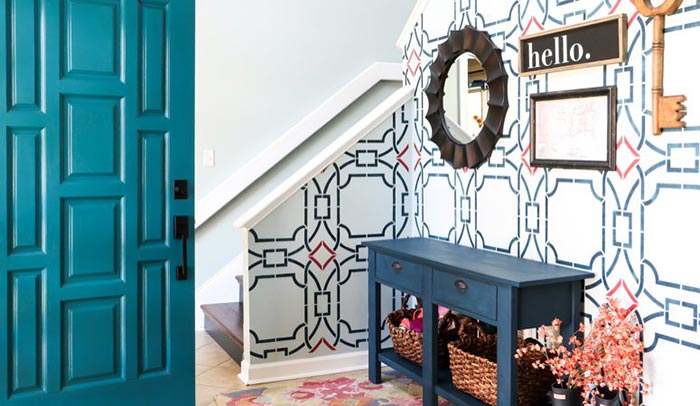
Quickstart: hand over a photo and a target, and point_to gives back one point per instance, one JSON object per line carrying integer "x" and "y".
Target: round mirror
{"x": 466, "y": 98}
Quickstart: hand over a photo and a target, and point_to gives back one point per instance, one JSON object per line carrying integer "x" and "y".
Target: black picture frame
{"x": 558, "y": 143}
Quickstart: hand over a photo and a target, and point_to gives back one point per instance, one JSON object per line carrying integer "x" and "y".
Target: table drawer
{"x": 401, "y": 274}
{"x": 464, "y": 294}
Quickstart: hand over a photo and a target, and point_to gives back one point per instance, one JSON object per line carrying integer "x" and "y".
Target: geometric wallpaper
{"x": 308, "y": 273}
{"x": 636, "y": 227}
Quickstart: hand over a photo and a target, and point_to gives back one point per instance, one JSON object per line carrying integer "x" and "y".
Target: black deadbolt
{"x": 180, "y": 190}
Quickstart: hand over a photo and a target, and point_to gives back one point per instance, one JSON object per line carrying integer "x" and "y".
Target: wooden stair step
{"x": 224, "y": 323}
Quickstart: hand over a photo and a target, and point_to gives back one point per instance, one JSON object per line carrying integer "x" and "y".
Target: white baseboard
{"x": 220, "y": 288}
{"x": 302, "y": 368}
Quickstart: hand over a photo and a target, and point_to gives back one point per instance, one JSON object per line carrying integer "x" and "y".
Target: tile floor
{"x": 215, "y": 371}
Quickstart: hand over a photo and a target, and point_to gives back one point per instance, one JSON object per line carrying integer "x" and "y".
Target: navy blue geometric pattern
{"x": 636, "y": 227}
{"x": 308, "y": 272}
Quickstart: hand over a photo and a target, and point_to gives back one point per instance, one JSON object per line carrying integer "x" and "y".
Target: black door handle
{"x": 181, "y": 232}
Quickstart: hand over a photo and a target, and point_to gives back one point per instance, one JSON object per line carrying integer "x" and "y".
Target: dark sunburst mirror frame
{"x": 475, "y": 152}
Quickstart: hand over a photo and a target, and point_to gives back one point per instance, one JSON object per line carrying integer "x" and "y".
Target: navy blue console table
{"x": 508, "y": 292}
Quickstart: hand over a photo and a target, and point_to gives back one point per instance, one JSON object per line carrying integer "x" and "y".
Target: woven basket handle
{"x": 472, "y": 324}
{"x": 446, "y": 320}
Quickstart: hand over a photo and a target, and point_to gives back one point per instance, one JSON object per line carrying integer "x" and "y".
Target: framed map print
{"x": 574, "y": 129}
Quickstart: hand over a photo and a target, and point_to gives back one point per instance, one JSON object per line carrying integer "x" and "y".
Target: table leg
{"x": 374, "y": 324}
{"x": 430, "y": 338}
{"x": 571, "y": 328}
{"x": 430, "y": 354}
{"x": 507, "y": 343}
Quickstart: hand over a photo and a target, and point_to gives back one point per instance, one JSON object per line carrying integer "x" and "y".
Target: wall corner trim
{"x": 302, "y": 368}
{"x": 225, "y": 192}
{"x": 411, "y": 22}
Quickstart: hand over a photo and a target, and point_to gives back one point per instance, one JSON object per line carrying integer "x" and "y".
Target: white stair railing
{"x": 326, "y": 157}
{"x": 223, "y": 194}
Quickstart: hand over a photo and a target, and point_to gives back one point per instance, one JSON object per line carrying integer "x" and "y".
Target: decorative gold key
{"x": 667, "y": 111}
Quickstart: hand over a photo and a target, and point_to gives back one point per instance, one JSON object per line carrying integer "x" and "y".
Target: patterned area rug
{"x": 337, "y": 390}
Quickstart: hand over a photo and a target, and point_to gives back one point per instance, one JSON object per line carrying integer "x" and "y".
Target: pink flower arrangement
{"x": 613, "y": 352}
{"x": 564, "y": 363}
{"x": 610, "y": 360}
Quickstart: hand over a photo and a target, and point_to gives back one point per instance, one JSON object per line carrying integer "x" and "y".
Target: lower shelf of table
{"x": 443, "y": 386}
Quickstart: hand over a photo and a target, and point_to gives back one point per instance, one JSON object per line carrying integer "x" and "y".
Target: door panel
{"x": 96, "y": 123}
{"x": 26, "y": 324}
{"x": 25, "y": 148}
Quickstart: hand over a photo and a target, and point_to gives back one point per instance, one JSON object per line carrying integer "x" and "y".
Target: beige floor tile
{"x": 210, "y": 355}
{"x": 200, "y": 369}
{"x": 232, "y": 363}
{"x": 201, "y": 338}
{"x": 205, "y": 394}
{"x": 224, "y": 376}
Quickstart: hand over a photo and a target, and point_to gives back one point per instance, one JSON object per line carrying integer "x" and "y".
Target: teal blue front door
{"x": 96, "y": 125}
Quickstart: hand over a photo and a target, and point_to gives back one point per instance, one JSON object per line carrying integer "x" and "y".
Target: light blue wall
{"x": 262, "y": 66}
{"x": 218, "y": 242}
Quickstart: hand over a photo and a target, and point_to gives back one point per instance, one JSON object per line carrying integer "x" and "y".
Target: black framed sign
{"x": 574, "y": 129}
{"x": 591, "y": 43}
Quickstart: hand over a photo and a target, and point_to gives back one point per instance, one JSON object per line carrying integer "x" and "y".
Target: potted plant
{"x": 613, "y": 355}
{"x": 565, "y": 363}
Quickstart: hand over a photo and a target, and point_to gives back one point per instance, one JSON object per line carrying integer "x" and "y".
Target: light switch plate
{"x": 208, "y": 158}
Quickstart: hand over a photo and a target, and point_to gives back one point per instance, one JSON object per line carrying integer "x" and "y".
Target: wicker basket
{"x": 474, "y": 370}
{"x": 409, "y": 343}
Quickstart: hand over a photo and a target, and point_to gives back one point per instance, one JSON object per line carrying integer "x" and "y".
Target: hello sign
{"x": 582, "y": 45}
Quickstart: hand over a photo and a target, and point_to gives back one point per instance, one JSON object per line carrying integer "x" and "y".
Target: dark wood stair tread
{"x": 224, "y": 323}
{"x": 229, "y": 317}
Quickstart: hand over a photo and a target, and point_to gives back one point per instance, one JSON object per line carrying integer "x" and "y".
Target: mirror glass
{"x": 465, "y": 100}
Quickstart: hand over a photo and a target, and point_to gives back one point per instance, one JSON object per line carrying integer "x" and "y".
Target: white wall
{"x": 635, "y": 227}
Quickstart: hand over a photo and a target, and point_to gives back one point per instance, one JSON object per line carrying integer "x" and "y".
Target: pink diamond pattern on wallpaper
{"x": 417, "y": 156}
{"x": 413, "y": 63}
{"x": 525, "y": 158}
{"x": 627, "y": 157}
{"x": 624, "y": 296}
{"x": 318, "y": 344}
{"x": 533, "y": 27}
{"x": 627, "y": 7}
{"x": 322, "y": 255}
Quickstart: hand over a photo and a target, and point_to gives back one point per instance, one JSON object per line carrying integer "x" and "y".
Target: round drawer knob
{"x": 396, "y": 266}
{"x": 461, "y": 285}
